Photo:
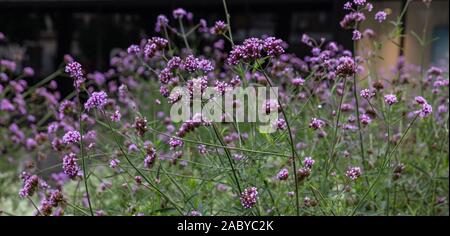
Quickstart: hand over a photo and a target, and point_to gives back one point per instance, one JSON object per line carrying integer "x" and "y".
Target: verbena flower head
{"x": 114, "y": 163}
{"x": 75, "y": 71}
{"x": 179, "y": 13}
{"x": 71, "y": 137}
{"x": 346, "y": 66}
{"x": 133, "y": 49}
{"x": 308, "y": 162}
{"x": 249, "y": 197}
{"x": 360, "y": 2}
{"x": 365, "y": 119}
{"x": 353, "y": 173}
{"x": 97, "y": 101}
{"x": 70, "y": 165}
{"x": 426, "y": 110}
{"x": 30, "y": 184}
{"x": 161, "y": 22}
{"x": 283, "y": 174}
{"x": 316, "y": 123}
{"x": 390, "y": 99}
{"x": 380, "y": 16}
{"x": 356, "y": 35}
{"x": 367, "y": 94}
{"x": 219, "y": 28}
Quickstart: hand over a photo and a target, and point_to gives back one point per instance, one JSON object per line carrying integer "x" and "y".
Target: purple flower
{"x": 273, "y": 46}
{"x": 149, "y": 160}
{"x": 390, "y": 99}
{"x": 348, "y": 6}
{"x": 71, "y": 137}
{"x": 97, "y": 100}
{"x": 359, "y": 2}
{"x": 346, "y": 66}
{"x": 281, "y": 124}
{"x": 380, "y": 16}
{"x": 367, "y": 94}
{"x": 30, "y": 184}
{"x": 174, "y": 143}
{"x": 353, "y": 173}
{"x": 316, "y": 123}
{"x": 426, "y": 110}
{"x": 133, "y": 49}
{"x": 6, "y": 105}
{"x": 202, "y": 149}
{"x": 365, "y": 119}
{"x": 116, "y": 116}
{"x": 249, "y": 197}
{"x": 194, "y": 213}
{"x": 161, "y": 22}
{"x": 75, "y": 72}
{"x": 283, "y": 174}
{"x": 356, "y": 35}
{"x": 114, "y": 163}
{"x": 28, "y": 72}
{"x": 179, "y": 13}
{"x": 308, "y": 162}
{"x": 70, "y": 165}
{"x": 420, "y": 100}
{"x": 219, "y": 28}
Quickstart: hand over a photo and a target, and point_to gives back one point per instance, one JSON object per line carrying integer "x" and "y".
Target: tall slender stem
{"x": 84, "y": 164}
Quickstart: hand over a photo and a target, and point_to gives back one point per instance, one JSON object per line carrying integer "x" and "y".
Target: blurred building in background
{"x": 90, "y": 29}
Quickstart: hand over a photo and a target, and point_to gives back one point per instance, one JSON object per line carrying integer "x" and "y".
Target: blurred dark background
{"x": 89, "y": 30}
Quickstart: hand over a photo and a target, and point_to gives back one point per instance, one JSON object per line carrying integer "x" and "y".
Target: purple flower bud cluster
{"x": 353, "y": 172}
{"x": 154, "y": 45}
{"x": 97, "y": 100}
{"x": 249, "y": 197}
{"x": 174, "y": 143}
{"x": 219, "y": 28}
{"x": 380, "y": 16}
{"x": 161, "y": 22}
{"x": 70, "y": 165}
{"x": 367, "y": 94}
{"x": 316, "y": 124}
{"x": 30, "y": 183}
{"x": 71, "y": 137}
{"x": 390, "y": 99}
{"x": 346, "y": 66}
{"x": 283, "y": 174}
{"x": 76, "y": 73}
{"x": 365, "y": 119}
{"x": 426, "y": 109}
{"x": 255, "y": 48}
{"x": 140, "y": 125}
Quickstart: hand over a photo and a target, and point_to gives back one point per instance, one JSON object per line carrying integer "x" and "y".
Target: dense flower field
{"x": 346, "y": 139}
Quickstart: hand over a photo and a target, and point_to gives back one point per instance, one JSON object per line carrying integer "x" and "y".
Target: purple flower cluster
{"x": 283, "y": 174}
{"x": 254, "y": 48}
{"x": 426, "y": 109}
{"x": 97, "y": 100}
{"x": 75, "y": 72}
{"x": 219, "y": 28}
{"x": 346, "y": 66}
{"x": 249, "y": 197}
{"x": 71, "y": 137}
{"x": 316, "y": 123}
{"x": 390, "y": 99}
{"x": 353, "y": 172}
{"x": 153, "y": 45}
{"x": 70, "y": 165}
{"x": 367, "y": 94}
{"x": 380, "y": 16}
{"x": 30, "y": 184}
